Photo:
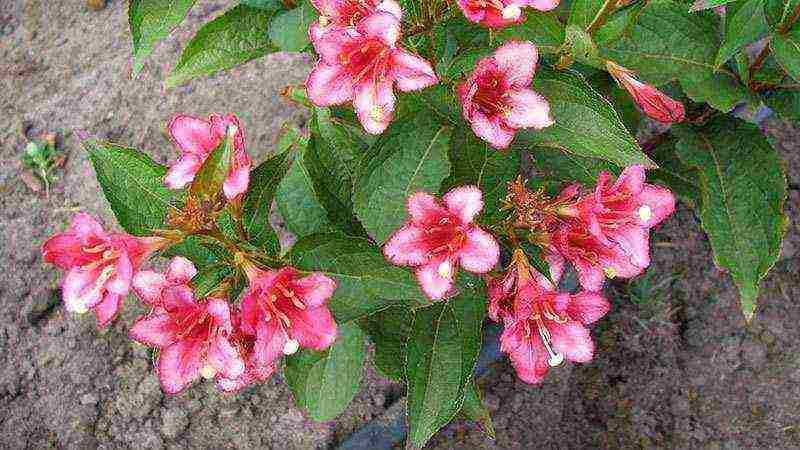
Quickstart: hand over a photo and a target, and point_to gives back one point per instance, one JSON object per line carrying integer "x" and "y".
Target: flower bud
{"x": 653, "y": 102}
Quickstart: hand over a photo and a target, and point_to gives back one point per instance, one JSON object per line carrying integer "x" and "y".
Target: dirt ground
{"x": 676, "y": 367}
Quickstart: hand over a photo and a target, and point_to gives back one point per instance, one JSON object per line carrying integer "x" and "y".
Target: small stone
{"x": 90, "y": 398}
{"x": 96, "y": 5}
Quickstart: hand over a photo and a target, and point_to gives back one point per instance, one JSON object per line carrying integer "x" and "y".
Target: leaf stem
{"x": 600, "y": 18}
{"x": 759, "y": 61}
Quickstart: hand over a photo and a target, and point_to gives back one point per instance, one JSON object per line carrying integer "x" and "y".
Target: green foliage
{"x": 567, "y": 167}
{"x": 787, "y": 51}
{"x": 745, "y": 23}
{"x": 289, "y": 30}
{"x": 209, "y": 278}
{"x": 474, "y": 410}
{"x": 152, "y": 21}
{"x": 207, "y": 183}
{"x": 264, "y": 181}
{"x": 388, "y": 329}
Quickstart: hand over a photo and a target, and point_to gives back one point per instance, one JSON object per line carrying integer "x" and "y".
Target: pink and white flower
{"x": 285, "y": 311}
{"x": 653, "y": 102}
{"x": 348, "y": 13}
{"x": 149, "y": 285}
{"x": 362, "y": 64}
{"x": 501, "y": 13}
{"x": 197, "y": 138}
{"x": 496, "y": 99}
{"x": 99, "y": 265}
{"x": 194, "y": 339}
{"x": 255, "y": 371}
{"x": 437, "y": 239}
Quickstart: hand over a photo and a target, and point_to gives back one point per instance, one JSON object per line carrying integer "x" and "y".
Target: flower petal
{"x": 374, "y": 103}
{"x": 392, "y": 7}
{"x": 436, "y": 278}
{"x": 225, "y": 358}
{"x": 382, "y": 25}
{"x": 120, "y": 283}
{"x": 192, "y": 135}
{"x": 314, "y": 289}
{"x": 179, "y": 364}
{"x": 518, "y": 60}
{"x": 81, "y": 290}
{"x": 107, "y": 310}
{"x": 157, "y": 330}
{"x": 406, "y": 247}
{"x": 528, "y": 110}
{"x": 542, "y": 5}
{"x": 631, "y": 180}
{"x": 634, "y": 241}
{"x": 220, "y": 310}
{"x": 180, "y": 270}
{"x": 587, "y": 307}
{"x": 659, "y": 201}
{"x": 465, "y": 202}
{"x": 270, "y": 340}
{"x": 183, "y": 171}
{"x": 480, "y": 252}
{"x": 492, "y": 130}
{"x": 410, "y": 72}
{"x": 329, "y": 85}
{"x": 423, "y": 207}
{"x": 313, "y": 327}
{"x": 573, "y": 340}
{"x": 180, "y": 296}
{"x": 147, "y": 285}
{"x": 87, "y": 229}
{"x": 530, "y": 360}
{"x": 236, "y": 183}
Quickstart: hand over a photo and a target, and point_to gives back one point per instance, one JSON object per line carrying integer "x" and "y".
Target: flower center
{"x": 489, "y": 97}
{"x": 445, "y": 238}
{"x": 270, "y": 309}
{"x": 543, "y": 311}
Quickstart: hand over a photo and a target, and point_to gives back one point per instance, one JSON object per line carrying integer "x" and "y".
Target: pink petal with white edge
{"x": 480, "y": 252}
{"x": 87, "y": 229}
{"x": 382, "y": 25}
{"x": 107, "y": 310}
{"x": 406, "y": 247}
{"x": 634, "y": 241}
{"x": 314, "y": 289}
{"x": 329, "y": 85}
{"x": 465, "y": 202}
{"x": 374, "y": 104}
{"x": 220, "y": 310}
{"x": 236, "y": 183}
{"x": 423, "y": 207}
{"x": 587, "y": 307}
{"x": 120, "y": 283}
{"x": 410, "y": 72}
{"x": 192, "y": 134}
{"x": 660, "y": 204}
{"x": 147, "y": 285}
{"x": 183, "y": 171}
{"x": 313, "y": 327}
{"x": 392, "y": 7}
{"x": 573, "y": 340}
{"x": 491, "y": 130}
{"x": 530, "y": 360}
{"x": 81, "y": 290}
{"x": 157, "y": 330}
{"x": 270, "y": 340}
{"x": 630, "y": 180}
{"x": 436, "y": 278}
{"x": 225, "y": 358}
{"x": 179, "y": 365}
{"x": 180, "y": 270}
{"x": 518, "y": 60}
{"x": 542, "y": 5}
{"x": 528, "y": 110}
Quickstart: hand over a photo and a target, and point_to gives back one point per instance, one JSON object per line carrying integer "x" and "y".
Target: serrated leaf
{"x": 324, "y": 383}
{"x": 540, "y": 27}
{"x": 785, "y": 103}
{"x": 207, "y": 183}
{"x": 388, "y": 329}
{"x": 669, "y": 43}
{"x": 673, "y": 173}
{"x": 474, "y": 410}
{"x": 289, "y": 30}
{"x": 569, "y": 168}
{"x": 586, "y": 124}
{"x": 152, "y": 21}
{"x": 743, "y": 190}
{"x": 366, "y": 282}
{"x": 210, "y": 278}
{"x": 443, "y": 347}
{"x": 583, "y": 12}
{"x": 745, "y": 23}
{"x": 234, "y": 38}
{"x": 264, "y": 181}
{"x": 786, "y": 48}
{"x": 411, "y": 156}
{"x": 134, "y": 186}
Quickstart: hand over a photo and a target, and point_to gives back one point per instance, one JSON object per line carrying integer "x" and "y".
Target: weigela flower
{"x": 622, "y": 212}
{"x": 653, "y": 102}
{"x": 149, "y": 285}
{"x": 547, "y": 326}
{"x": 437, "y": 239}
{"x": 194, "y": 338}
{"x": 501, "y": 290}
{"x": 99, "y": 265}
{"x": 347, "y": 13}
{"x": 501, "y": 13}
{"x": 496, "y": 100}
{"x": 197, "y": 138}
{"x": 286, "y": 311}
{"x": 362, "y": 64}
{"x": 254, "y": 370}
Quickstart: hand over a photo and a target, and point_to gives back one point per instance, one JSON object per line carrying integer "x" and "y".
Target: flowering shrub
{"x": 489, "y": 149}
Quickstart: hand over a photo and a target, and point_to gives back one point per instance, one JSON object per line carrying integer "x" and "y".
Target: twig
{"x": 759, "y": 61}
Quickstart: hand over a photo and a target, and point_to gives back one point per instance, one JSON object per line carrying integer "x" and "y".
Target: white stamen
{"x": 291, "y": 347}
{"x": 82, "y": 309}
{"x": 232, "y": 129}
{"x": 208, "y": 372}
{"x": 645, "y": 213}
{"x": 555, "y": 359}
{"x": 323, "y": 21}
{"x": 444, "y": 269}
{"x": 512, "y": 12}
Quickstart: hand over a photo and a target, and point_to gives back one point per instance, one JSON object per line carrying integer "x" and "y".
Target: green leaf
{"x": 264, "y": 181}
{"x": 742, "y": 194}
{"x": 474, "y": 410}
{"x": 443, "y": 347}
{"x": 202, "y": 251}
{"x": 779, "y": 12}
{"x": 388, "y": 329}
{"x": 152, "y": 21}
{"x": 207, "y": 183}
{"x": 786, "y": 48}
{"x": 669, "y": 43}
{"x": 289, "y": 30}
{"x": 366, "y": 282}
{"x": 210, "y": 278}
{"x": 475, "y": 162}
{"x": 673, "y": 173}
{"x": 234, "y": 38}
{"x": 324, "y": 383}
{"x": 263, "y": 4}
{"x": 134, "y": 186}
{"x": 540, "y": 27}
{"x": 745, "y": 23}
{"x": 785, "y": 103}
{"x": 569, "y": 168}
{"x": 583, "y": 12}
{"x": 586, "y": 124}
{"x": 411, "y": 156}
{"x": 700, "y": 5}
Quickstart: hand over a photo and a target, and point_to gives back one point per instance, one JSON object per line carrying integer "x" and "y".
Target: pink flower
{"x": 193, "y": 338}
{"x": 502, "y": 289}
{"x": 501, "y": 13}
{"x": 548, "y": 326}
{"x": 99, "y": 265}
{"x": 496, "y": 100}
{"x": 362, "y": 64}
{"x": 653, "y": 102}
{"x": 254, "y": 371}
{"x": 285, "y": 311}
{"x": 149, "y": 285}
{"x": 197, "y": 138}
{"x": 347, "y": 13}
{"x": 437, "y": 239}
{"x": 622, "y": 213}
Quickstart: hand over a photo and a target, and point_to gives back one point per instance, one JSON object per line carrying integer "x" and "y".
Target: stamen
{"x": 645, "y": 213}
{"x": 323, "y": 21}
{"x": 555, "y": 358}
{"x": 290, "y": 347}
{"x": 96, "y": 249}
{"x": 208, "y": 372}
{"x": 444, "y": 270}
{"x": 610, "y": 272}
{"x": 512, "y": 12}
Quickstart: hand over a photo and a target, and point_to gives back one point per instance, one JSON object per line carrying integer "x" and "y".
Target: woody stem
{"x": 600, "y": 18}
